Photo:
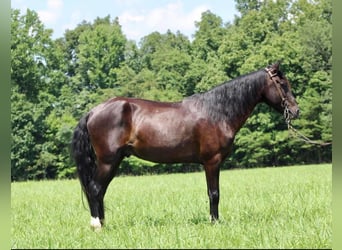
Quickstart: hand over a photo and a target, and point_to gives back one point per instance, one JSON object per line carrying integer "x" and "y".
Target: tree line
{"x": 56, "y": 81}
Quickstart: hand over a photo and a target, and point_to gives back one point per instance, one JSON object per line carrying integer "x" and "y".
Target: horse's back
{"x": 119, "y": 108}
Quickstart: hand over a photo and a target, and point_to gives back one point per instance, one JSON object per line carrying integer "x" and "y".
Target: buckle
{"x": 270, "y": 73}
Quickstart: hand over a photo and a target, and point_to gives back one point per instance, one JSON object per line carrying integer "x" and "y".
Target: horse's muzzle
{"x": 295, "y": 113}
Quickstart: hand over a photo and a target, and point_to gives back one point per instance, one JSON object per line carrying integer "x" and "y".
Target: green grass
{"x": 286, "y": 207}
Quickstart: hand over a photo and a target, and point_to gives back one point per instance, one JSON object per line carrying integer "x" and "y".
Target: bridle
{"x": 284, "y": 102}
{"x": 287, "y": 114}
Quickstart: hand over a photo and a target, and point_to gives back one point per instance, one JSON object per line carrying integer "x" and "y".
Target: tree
{"x": 23, "y": 149}
{"x": 69, "y": 44}
{"x": 30, "y": 79}
{"x": 30, "y": 45}
{"x": 209, "y": 34}
{"x": 101, "y": 50}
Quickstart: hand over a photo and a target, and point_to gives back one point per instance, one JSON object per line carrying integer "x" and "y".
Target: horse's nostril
{"x": 297, "y": 112}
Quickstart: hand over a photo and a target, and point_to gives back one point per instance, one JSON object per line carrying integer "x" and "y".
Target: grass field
{"x": 286, "y": 207}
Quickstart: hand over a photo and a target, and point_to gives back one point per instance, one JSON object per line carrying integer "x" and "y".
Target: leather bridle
{"x": 284, "y": 102}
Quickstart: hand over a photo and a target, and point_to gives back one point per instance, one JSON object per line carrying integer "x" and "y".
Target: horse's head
{"x": 278, "y": 93}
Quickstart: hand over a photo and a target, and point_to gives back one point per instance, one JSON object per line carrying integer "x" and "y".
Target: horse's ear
{"x": 276, "y": 66}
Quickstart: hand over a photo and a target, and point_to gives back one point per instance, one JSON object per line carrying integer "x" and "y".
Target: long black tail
{"x": 83, "y": 154}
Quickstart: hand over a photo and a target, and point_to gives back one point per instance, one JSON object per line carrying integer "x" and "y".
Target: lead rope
{"x": 299, "y": 135}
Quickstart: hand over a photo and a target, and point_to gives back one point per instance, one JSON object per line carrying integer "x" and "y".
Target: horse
{"x": 198, "y": 129}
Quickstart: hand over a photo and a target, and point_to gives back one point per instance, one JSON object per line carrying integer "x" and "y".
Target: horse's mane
{"x": 232, "y": 98}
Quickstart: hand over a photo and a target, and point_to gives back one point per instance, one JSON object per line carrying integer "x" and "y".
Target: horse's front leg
{"x": 212, "y": 173}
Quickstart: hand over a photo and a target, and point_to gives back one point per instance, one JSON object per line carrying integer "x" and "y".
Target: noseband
{"x": 284, "y": 102}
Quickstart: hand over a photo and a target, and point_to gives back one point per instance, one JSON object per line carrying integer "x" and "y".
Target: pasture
{"x": 286, "y": 207}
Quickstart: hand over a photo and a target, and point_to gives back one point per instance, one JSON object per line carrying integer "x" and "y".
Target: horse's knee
{"x": 94, "y": 189}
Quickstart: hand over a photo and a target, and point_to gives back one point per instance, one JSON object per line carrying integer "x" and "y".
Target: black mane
{"x": 232, "y": 98}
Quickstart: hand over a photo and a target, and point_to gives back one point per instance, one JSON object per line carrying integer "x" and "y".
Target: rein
{"x": 298, "y": 134}
{"x": 302, "y": 137}
{"x": 287, "y": 115}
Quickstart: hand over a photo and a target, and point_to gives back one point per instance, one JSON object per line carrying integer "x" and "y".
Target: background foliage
{"x": 55, "y": 82}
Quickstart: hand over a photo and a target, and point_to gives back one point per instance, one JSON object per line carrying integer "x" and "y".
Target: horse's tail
{"x": 83, "y": 154}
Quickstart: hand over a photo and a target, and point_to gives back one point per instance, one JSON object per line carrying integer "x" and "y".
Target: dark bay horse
{"x": 199, "y": 129}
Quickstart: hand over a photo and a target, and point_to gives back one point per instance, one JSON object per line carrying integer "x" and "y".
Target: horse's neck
{"x": 230, "y": 103}
{"x": 241, "y": 107}
{"x": 236, "y": 124}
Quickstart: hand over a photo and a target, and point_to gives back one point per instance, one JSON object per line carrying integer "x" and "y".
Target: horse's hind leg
{"x": 105, "y": 172}
{"x": 95, "y": 199}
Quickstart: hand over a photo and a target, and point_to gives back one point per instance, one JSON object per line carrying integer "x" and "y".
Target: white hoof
{"x": 95, "y": 223}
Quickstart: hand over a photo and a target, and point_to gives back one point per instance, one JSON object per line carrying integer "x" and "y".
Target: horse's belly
{"x": 166, "y": 155}
{"x": 166, "y": 147}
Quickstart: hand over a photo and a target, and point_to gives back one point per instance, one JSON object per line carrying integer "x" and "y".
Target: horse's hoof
{"x": 95, "y": 224}
{"x": 214, "y": 220}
